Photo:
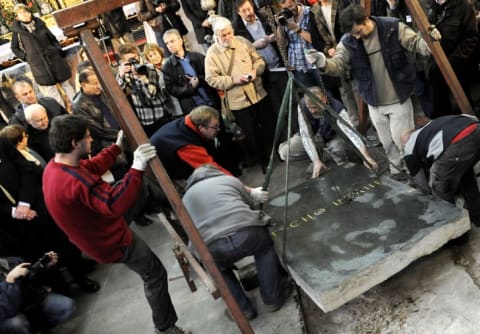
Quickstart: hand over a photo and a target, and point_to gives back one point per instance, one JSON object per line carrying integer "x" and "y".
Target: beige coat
{"x": 246, "y": 60}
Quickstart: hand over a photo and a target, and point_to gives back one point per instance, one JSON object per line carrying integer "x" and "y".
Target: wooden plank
{"x": 130, "y": 124}
{"x": 86, "y": 11}
{"x": 440, "y": 58}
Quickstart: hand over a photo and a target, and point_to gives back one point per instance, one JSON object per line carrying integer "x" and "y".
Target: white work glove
{"x": 142, "y": 155}
{"x": 258, "y": 195}
{"x": 315, "y": 57}
{"x": 434, "y": 33}
{"x": 120, "y": 137}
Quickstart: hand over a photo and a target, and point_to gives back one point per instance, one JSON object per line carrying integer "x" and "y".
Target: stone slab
{"x": 350, "y": 230}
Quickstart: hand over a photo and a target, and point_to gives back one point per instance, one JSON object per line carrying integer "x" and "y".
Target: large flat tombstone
{"x": 350, "y": 230}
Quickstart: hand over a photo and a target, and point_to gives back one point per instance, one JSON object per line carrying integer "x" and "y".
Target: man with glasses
{"x": 378, "y": 50}
{"x": 189, "y": 142}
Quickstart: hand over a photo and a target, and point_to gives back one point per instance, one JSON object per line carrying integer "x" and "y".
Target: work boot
{"x": 172, "y": 330}
{"x": 249, "y": 314}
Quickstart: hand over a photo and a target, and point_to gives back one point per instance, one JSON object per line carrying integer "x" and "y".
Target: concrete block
{"x": 350, "y": 230}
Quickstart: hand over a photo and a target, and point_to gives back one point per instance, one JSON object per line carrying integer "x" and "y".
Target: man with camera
{"x": 233, "y": 65}
{"x": 24, "y": 306}
{"x": 185, "y": 75}
{"x": 145, "y": 89}
{"x": 293, "y": 36}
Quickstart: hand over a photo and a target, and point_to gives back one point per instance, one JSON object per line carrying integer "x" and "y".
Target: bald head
{"x": 36, "y": 115}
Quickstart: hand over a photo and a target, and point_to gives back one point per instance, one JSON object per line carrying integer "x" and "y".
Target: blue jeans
{"x": 254, "y": 241}
{"x": 139, "y": 258}
{"x": 53, "y": 310}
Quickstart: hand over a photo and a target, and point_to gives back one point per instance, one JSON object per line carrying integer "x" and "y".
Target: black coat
{"x": 193, "y": 10}
{"x": 176, "y": 85}
{"x": 116, "y": 23}
{"x": 170, "y": 19}
{"x": 50, "y": 104}
{"x": 41, "y": 51}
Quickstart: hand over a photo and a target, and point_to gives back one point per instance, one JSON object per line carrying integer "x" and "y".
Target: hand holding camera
{"x": 194, "y": 82}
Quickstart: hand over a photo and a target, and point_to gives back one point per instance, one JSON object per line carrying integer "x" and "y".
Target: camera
{"x": 139, "y": 68}
{"x": 38, "y": 265}
{"x": 183, "y": 80}
{"x": 284, "y": 15}
{"x": 157, "y": 3}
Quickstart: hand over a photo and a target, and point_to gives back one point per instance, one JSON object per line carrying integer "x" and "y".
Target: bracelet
{"x": 299, "y": 30}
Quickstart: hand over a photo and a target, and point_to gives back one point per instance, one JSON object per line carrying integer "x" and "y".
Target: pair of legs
{"x": 53, "y": 91}
{"x": 254, "y": 241}
{"x": 452, "y": 174}
{"x": 139, "y": 258}
{"x": 390, "y": 122}
{"x": 257, "y": 122}
{"x": 53, "y": 310}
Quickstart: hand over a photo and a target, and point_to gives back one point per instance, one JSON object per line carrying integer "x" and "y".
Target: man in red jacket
{"x": 90, "y": 211}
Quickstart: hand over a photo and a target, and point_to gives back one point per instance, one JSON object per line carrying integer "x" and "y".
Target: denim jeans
{"x": 254, "y": 241}
{"x": 139, "y": 258}
{"x": 53, "y": 310}
{"x": 452, "y": 174}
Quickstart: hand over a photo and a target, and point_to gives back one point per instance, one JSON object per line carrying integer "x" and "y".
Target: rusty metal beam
{"x": 439, "y": 55}
{"x": 129, "y": 122}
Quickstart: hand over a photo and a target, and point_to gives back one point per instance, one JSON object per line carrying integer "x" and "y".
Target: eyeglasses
{"x": 216, "y": 127}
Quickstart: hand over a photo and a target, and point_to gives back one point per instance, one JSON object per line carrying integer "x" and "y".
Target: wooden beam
{"x": 86, "y": 11}
{"x": 130, "y": 124}
{"x": 439, "y": 55}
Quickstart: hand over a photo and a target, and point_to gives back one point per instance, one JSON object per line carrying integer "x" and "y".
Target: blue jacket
{"x": 398, "y": 61}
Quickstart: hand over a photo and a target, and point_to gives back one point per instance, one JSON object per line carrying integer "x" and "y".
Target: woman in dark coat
{"x": 34, "y": 43}
{"x": 24, "y": 217}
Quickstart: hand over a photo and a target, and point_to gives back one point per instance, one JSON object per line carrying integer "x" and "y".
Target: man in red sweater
{"x": 90, "y": 211}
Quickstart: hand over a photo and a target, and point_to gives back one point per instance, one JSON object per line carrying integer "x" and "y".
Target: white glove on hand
{"x": 258, "y": 195}
{"x": 119, "y": 141}
{"x": 315, "y": 57}
{"x": 434, "y": 33}
{"x": 142, "y": 155}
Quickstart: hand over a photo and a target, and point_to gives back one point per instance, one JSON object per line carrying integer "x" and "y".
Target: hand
{"x": 258, "y": 195}
{"x": 161, "y": 8}
{"x": 18, "y": 271}
{"x": 120, "y": 137}
{"x": 318, "y": 167}
{"x": 392, "y": 4}
{"x": 194, "y": 82}
{"x": 53, "y": 258}
{"x": 24, "y": 212}
{"x": 124, "y": 69}
{"x": 434, "y": 33}
{"x": 270, "y": 38}
{"x": 291, "y": 25}
{"x": 315, "y": 57}
{"x": 371, "y": 164}
{"x": 142, "y": 155}
{"x": 260, "y": 43}
{"x": 331, "y": 52}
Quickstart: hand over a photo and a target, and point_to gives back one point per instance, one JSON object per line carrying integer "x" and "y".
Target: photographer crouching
{"x": 26, "y": 307}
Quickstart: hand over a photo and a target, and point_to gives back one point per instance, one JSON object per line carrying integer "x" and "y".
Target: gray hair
{"x": 31, "y": 109}
{"x": 220, "y": 23}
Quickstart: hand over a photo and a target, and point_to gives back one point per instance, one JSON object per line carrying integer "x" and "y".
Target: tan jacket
{"x": 246, "y": 59}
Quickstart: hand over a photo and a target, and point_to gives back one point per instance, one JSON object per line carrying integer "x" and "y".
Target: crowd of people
{"x": 70, "y": 186}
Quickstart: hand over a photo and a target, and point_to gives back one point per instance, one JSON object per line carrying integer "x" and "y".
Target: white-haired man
{"x": 233, "y": 65}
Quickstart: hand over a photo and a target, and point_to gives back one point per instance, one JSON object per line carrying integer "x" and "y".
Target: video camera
{"x": 284, "y": 15}
{"x": 139, "y": 68}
